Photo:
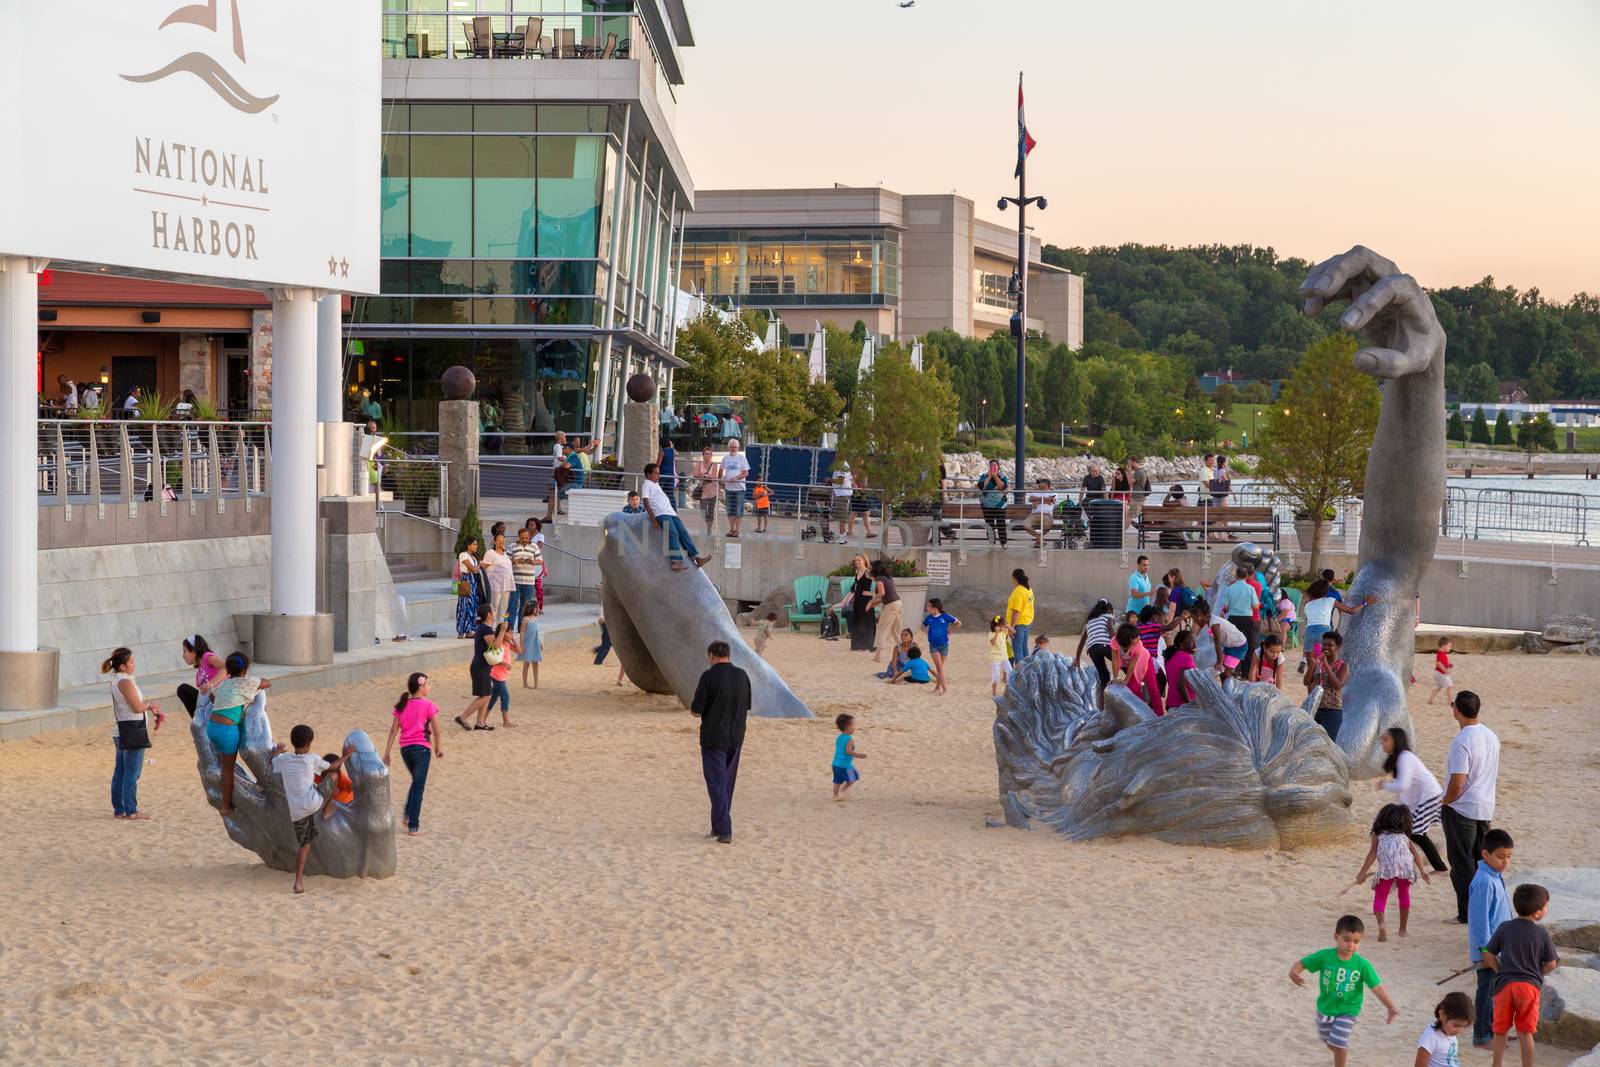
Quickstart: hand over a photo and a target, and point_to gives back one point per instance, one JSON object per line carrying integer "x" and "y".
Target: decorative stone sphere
{"x": 458, "y": 383}
{"x": 641, "y": 388}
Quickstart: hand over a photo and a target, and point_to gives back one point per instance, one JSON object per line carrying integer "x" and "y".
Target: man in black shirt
{"x": 722, "y": 703}
{"x": 1093, "y": 486}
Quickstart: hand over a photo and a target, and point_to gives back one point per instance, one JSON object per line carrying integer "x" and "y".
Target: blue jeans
{"x": 521, "y": 597}
{"x": 125, "y": 780}
{"x": 417, "y": 758}
{"x": 499, "y": 691}
{"x": 1019, "y": 644}
{"x": 603, "y": 649}
{"x": 1483, "y": 1008}
{"x": 678, "y": 540}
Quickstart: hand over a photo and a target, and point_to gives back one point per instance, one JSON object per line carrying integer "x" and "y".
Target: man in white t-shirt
{"x": 844, "y": 487}
{"x": 305, "y": 795}
{"x": 1043, "y": 501}
{"x": 1473, "y": 766}
{"x": 735, "y": 472}
{"x": 665, "y": 516}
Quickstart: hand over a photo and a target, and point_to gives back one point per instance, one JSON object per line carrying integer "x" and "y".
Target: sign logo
{"x": 203, "y": 66}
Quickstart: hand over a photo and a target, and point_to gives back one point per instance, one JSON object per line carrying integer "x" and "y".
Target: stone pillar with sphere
{"x": 640, "y": 422}
{"x": 458, "y": 439}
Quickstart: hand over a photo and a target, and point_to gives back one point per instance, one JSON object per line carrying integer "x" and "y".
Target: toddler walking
{"x": 531, "y": 648}
{"x": 845, "y": 774}
{"x": 1442, "y": 682}
{"x": 1399, "y": 863}
{"x": 505, "y": 643}
{"x": 999, "y": 655}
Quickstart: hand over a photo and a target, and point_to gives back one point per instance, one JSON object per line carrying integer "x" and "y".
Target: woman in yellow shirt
{"x": 1019, "y": 615}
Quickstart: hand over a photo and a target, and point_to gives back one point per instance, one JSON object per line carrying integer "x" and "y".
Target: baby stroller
{"x": 1069, "y": 517}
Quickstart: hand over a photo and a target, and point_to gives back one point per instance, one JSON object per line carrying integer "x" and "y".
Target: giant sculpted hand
{"x": 1403, "y": 344}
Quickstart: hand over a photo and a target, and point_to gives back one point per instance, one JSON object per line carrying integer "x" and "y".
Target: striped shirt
{"x": 1150, "y": 635}
{"x": 1098, "y": 630}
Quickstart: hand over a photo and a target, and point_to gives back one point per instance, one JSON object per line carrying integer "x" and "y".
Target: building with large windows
{"x": 533, "y": 194}
{"x": 904, "y": 265}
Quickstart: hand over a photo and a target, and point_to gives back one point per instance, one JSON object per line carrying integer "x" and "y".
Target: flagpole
{"x": 1019, "y": 323}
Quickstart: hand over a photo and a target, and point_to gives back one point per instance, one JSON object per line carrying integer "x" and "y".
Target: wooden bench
{"x": 1225, "y": 524}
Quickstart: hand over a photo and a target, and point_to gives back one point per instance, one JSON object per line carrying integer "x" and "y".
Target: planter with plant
{"x": 910, "y": 581}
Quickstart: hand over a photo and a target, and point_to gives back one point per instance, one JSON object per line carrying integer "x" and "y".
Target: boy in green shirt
{"x": 1345, "y": 978}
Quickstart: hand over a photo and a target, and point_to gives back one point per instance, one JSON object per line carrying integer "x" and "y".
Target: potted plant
{"x": 910, "y": 581}
{"x": 607, "y": 474}
{"x": 1305, "y": 527}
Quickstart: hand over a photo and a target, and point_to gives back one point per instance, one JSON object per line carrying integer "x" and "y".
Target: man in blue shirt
{"x": 1139, "y": 585}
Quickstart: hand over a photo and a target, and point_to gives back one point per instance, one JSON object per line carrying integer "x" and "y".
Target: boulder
{"x": 1572, "y": 629}
{"x": 1569, "y": 1010}
{"x": 1535, "y": 645}
{"x": 1574, "y": 915}
{"x": 976, "y": 605}
{"x": 1591, "y": 1060}
{"x": 773, "y": 601}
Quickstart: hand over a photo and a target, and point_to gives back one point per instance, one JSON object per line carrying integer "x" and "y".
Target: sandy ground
{"x": 564, "y": 906}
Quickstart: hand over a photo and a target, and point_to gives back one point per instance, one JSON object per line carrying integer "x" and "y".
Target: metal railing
{"x": 501, "y": 34}
{"x": 1515, "y": 515}
{"x": 420, "y": 484}
{"x": 83, "y": 462}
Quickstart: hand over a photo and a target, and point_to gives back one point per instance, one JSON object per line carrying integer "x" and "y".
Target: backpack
{"x": 829, "y": 628}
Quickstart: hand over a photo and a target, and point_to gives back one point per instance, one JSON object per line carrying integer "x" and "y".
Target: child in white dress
{"x": 1399, "y": 863}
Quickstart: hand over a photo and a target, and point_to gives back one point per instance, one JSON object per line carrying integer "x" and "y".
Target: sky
{"x": 1460, "y": 139}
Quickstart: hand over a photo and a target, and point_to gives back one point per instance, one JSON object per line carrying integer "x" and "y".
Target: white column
{"x": 330, "y": 360}
{"x": 294, "y": 451}
{"x": 19, "y": 453}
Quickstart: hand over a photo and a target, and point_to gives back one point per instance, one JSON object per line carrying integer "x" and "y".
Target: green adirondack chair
{"x": 807, "y": 588}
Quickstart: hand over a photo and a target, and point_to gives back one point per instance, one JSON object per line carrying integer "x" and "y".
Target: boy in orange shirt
{"x": 761, "y": 500}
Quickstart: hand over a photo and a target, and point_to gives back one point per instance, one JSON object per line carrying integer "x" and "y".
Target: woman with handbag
{"x": 707, "y": 488}
{"x": 133, "y": 733}
{"x": 993, "y": 486}
{"x": 467, "y": 599}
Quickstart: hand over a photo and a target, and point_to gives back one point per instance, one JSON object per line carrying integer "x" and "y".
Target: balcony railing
{"x": 87, "y": 461}
{"x": 524, "y": 35}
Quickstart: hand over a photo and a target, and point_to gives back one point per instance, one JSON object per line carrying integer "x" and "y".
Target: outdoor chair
{"x": 611, "y": 46}
{"x": 566, "y": 44}
{"x": 483, "y": 36}
{"x": 532, "y": 43}
{"x": 809, "y": 590}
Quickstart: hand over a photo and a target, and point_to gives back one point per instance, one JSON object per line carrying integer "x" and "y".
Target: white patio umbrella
{"x": 770, "y": 342}
{"x": 869, "y": 354}
{"x": 916, "y": 353}
{"x": 819, "y": 354}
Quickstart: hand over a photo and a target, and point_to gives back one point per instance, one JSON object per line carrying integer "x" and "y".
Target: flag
{"x": 1025, "y": 143}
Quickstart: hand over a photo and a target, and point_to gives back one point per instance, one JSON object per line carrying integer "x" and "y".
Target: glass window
{"x": 564, "y": 369}
{"x": 441, "y": 196}
{"x": 395, "y": 189}
{"x": 394, "y": 276}
{"x": 396, "y": 117}
{"x": 504, "y": 118}
{"x": 608, "y": 181}
{"x": 442, "y": 118}
{"x": 570, "y": 172}
{"x": 503, "y": 187}
{"x": 442, "y": 276}
{"x": 442, "y": 312}
{"x": 572, "y": 118}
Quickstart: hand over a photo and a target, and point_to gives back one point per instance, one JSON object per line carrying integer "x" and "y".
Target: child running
{"x": 1437, "y": 1045}
{"x": 1520, "y": 953}
{"x": 845, "y": 755}
{"x": 764, "y": 630}
{"x": 1344, "y": 978}
{"x": 1442, "y": 682}
{"x": 1399, "y": 863}
{"x": 225, "y": 728}
{"x": 305, "y": 795}
{"x": 999, "y": 655}
{"x": 939, "y": 623}
{"x": 505, "y": 643}
{"x": 531, "y": 648}
{"x": 416, "y": 724}
{"x": 1268, "y": 666}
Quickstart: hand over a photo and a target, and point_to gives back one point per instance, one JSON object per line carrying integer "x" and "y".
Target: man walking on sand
{"x": 722, "y": 704}
{"x": 1473, "y": 766}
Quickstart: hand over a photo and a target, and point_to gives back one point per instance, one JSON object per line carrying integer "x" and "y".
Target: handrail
{"x": 548, "y": 545}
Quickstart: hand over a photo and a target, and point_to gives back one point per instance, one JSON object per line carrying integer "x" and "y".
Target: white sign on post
{"x": 222, "y": 141}
{"x": 732, "y": 555}
{"x": 938, "y": 568}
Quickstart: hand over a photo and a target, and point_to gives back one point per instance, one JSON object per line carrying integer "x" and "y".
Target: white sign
{"x": 938, "y": 568}
{"x": 218, "y": 141}
{"x": 732, "y": 555}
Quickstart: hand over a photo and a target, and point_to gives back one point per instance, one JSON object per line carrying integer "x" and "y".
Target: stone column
{"x": 458, "y": 446}
{"x": 640, "y": 423}
{"x": 294, "y": 633}
{"x": 197, "y": 365}
{"x": 353, "y": 559}
{"x": 27, "y": 673}
{"x": 260, "y": 364}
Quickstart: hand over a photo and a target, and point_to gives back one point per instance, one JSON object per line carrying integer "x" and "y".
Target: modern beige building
{"x": 904, "y": 265}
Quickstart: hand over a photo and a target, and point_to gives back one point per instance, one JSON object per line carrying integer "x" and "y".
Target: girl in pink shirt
{"x": 1129, "y": 655}
{"x": 1180, "y": 658}
{"x": 415, "y": 723}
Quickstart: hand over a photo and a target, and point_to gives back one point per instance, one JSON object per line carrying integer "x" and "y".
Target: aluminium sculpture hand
{"x": 357, "y": 842}
{"x": 1405, "y": 486}
{"x": 661, "y": 621}
{"x": 1240, "y": 767}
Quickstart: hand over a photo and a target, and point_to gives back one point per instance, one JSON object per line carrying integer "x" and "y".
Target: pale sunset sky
{"x": 1459, "y": 139}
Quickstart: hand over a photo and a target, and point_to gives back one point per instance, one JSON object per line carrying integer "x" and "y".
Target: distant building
{"x": 902, "y": 264}
{"x": 1567, "y": 414}
{"x": 1513, "y": 393}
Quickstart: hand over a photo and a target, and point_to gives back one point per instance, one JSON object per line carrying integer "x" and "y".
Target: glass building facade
{"x": 799, "y": 267}
{"x": 529, "y": 242}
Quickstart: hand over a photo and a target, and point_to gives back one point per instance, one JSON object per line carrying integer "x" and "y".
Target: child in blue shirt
{"x": 939, "y": 623}
{"x": 845, "y": 774}
{"x": 1487, "y": 907}
{"x": 916, "y": 669}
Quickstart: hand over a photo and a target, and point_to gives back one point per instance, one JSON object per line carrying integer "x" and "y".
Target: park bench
{"x": 1227, "y": 524}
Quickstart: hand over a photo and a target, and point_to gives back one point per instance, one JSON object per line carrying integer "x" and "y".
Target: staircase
{"x": 411, "y": 572}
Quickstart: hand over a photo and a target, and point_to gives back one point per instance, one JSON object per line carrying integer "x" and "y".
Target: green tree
{"x": 1256, "y": 393}
{"x": 1479, "y": 385}
{"x": 1536, "y": 432}
{"x": 1064, "y": 391}
{"x": 1112, "y": 446}
{"x": 471, "y": 530}
{"x": 1542, "y": 383}
{"x": 721, "y": 359}
{"x": 1455, "y": 429}
{"x": 896, "y": 423}
{"x": 1502, "y": 428}
{"x": 1480, "y": 428}
{"x": 1226, "y": 395}
{"x": 1318, "y": 452}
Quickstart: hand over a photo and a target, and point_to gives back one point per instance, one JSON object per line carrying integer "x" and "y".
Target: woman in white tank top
{"x": 132, "y": 715}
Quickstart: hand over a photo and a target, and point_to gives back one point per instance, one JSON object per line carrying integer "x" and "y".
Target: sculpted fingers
{"x": 1396, "y": 313}
{"x": 1344, "y": 276}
